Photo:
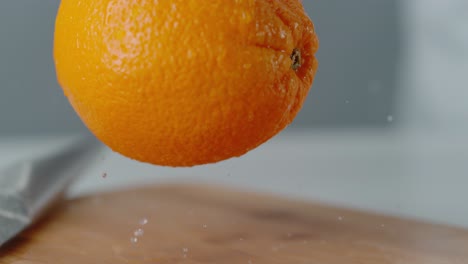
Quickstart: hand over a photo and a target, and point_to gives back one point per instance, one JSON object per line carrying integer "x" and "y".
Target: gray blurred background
{"x": 354, "y": 87}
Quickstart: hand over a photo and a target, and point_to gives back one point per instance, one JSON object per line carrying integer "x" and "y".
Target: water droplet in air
{"x": 143, "y": 221}
{"x": 133, "y": 240}
{"x": 340, "y": 218}
{"x": 390, "y": 118}
{"x": 205, "y": 226}
{"x": 139, "y": 232}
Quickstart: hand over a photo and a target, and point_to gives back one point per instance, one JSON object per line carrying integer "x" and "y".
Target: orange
{"x": 185, "y": 82}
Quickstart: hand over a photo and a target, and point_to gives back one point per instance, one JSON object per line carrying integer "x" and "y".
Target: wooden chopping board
{"x": 194, "y": 224}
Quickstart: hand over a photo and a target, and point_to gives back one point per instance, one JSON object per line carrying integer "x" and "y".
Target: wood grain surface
{"x": 195, "y": 224}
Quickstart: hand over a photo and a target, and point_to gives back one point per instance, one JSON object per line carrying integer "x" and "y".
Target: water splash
{"x": 139, "y": 232}
{"x": 143, "y": 221}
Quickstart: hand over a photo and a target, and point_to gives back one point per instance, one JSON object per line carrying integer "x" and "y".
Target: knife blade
{"x": 29, "y": 188}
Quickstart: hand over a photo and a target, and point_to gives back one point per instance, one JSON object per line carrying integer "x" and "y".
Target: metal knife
{"x": 29, "y": 188}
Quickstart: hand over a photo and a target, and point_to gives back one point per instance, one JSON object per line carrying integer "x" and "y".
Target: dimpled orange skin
{"x": 184, "y": 82}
